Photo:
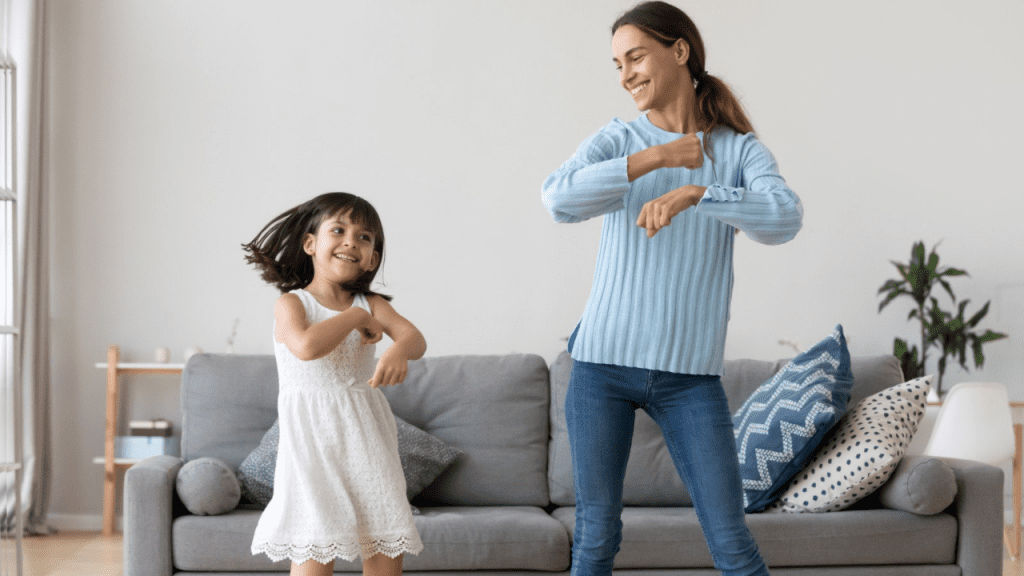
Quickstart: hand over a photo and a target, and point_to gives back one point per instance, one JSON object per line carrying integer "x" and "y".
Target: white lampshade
{"x": 974, "y": 423}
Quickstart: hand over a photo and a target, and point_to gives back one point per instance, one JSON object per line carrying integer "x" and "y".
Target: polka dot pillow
{"x": 860, "y": 454}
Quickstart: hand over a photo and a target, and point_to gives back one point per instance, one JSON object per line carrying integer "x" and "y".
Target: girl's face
{"x": 342, "y": 250}
{"x": 651, "y": 72}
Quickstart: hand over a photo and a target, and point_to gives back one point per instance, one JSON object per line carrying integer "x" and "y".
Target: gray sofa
{"x": 505, "y": 506}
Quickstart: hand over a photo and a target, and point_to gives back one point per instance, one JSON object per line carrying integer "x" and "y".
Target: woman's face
{"x": 651, "y": 72}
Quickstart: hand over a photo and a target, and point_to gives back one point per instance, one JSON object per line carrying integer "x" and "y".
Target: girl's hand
{"x": 371, "y": 330}
{"x": 658, "y": 213}
{"x": 686, "y": 151}
{"x": 408, "y": 344}
{"x": 391, "y": 369}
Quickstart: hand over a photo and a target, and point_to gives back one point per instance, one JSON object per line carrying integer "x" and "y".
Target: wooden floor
{"x": 79, "y": 553}
{"x": 73, "y": 554}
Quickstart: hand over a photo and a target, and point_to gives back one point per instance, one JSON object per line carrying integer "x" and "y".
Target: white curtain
{"x": 35, "y": 281}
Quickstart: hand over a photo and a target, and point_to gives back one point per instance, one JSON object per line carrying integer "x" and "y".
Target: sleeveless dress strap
{"x": 361, "y": 301}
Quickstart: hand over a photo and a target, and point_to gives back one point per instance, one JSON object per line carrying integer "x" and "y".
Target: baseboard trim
{"x": 80, "y": 522}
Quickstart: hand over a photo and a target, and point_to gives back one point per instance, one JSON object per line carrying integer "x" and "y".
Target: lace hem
{"x": 366, "y": 547}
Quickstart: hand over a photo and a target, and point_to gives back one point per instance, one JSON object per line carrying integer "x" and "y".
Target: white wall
{"x": 179, "y": 128}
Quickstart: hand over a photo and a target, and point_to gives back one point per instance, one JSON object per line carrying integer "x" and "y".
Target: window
{"x": 10, "y": 397}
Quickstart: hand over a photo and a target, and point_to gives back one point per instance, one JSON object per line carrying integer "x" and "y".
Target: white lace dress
{"x": 339, "y": 490}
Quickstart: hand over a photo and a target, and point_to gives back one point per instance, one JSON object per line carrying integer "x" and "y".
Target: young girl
{"x": 339, "y": 488}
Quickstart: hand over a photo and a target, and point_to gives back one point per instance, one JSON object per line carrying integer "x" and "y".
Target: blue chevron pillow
{"x": 781, "y": 424}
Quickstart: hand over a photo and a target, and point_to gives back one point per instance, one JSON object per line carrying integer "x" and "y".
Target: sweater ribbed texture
{"x": 662, "y": 303}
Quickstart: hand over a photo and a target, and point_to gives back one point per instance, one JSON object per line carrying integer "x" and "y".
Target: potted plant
{"x": 951, "y": 335}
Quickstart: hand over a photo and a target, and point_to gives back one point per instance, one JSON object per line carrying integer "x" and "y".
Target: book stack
{"x": 156, "y": 427}
{"x": 147, "y": 438}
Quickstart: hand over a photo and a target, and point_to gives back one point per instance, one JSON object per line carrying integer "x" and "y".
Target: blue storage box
{"x": 145, "y": 446}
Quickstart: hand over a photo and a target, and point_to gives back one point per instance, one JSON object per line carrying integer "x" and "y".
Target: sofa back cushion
{"x": 871, "y": 374}
{"x": 228, "y": 401}
{"x": 494, "y": 409}
{"x": 651, "y": 477}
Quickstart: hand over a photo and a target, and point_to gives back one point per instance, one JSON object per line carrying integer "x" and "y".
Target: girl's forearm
{"x": 321, "y": 338}
{"x": 410, "y": 345}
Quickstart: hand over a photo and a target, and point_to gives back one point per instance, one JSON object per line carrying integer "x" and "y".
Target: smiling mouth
{"x": 636, "y": 89}
{"x": 345, "y": 257}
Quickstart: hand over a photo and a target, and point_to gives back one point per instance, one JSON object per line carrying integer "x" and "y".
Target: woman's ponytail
{"x": 716, "y": 105}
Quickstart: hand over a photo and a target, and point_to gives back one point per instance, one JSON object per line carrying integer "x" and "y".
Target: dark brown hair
{"x": 715, "y": 103}
{"x": 277, "y": 250}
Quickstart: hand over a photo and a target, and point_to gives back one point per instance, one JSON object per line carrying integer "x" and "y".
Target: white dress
{"x": 339, "y": 490}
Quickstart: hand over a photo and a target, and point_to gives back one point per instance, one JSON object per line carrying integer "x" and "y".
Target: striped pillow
{"x": 781, "y": 424}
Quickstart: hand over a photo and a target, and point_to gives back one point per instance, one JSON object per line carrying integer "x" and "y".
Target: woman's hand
{"x": 686, "y": 152}
{"x": 658, "y": 213}
{"x": 391, "y": 369}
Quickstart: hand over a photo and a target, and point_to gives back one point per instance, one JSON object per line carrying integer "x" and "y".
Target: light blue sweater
{"x": 662, "y": 303}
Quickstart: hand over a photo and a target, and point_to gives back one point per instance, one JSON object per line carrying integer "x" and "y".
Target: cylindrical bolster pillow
{"x": 921, "y": 484}
{"x": 208, "y": 486}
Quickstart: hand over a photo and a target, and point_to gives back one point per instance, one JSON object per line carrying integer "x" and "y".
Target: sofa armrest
{"x": 148, "y": 513}
{"x": 979, "y": 512}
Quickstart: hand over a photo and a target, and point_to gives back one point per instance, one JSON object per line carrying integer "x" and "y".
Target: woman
{"x": 674, "y": 186}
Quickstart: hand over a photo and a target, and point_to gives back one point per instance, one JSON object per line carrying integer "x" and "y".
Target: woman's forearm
{"x": 643, "y": 162}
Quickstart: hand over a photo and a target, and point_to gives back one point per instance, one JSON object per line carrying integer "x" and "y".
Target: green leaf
{"x": 902, "y": 268}
{"x": 908, "y": 359}
{"x": 990, "y": 336}
{"x": 917, "y": 252}
{"x": 977, "y": 317}
{"x": 961, "y": 308}
{"x": 899, "y": 348}
{"x": 889, "y": 298}
{"x": 960, "y": 348}
{"x": 954, "y": 272}
{"x": 891, "y": 284}
{"x": 979, "y": 358}
{"x": 949, "y": 290}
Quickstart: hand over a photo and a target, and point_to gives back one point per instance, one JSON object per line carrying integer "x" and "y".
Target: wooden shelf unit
{"x": 115, "y": 368}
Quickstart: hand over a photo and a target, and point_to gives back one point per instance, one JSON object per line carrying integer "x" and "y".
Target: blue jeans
{"x": 693, "y": 414}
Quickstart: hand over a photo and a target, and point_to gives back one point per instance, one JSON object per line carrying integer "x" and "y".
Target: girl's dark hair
{"x": 716, "y": 104}
{"x": 277, "y": 250}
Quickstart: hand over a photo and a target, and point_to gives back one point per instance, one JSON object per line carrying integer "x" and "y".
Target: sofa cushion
{"x": 207, "y": 486}
{"x": 860, "y": 453}
{"x": 228, "y": 401}
{"x": 871, "y": 374}
{"x": 920, "y": 484}
{"x": 423, "y": 459}
{"x": 454, "y": 538}
{"x": 671, "y": 538}
{"x": 492, "y": 408}
{"x": 256, "y": 472}
{"x": 783, "y": 421}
